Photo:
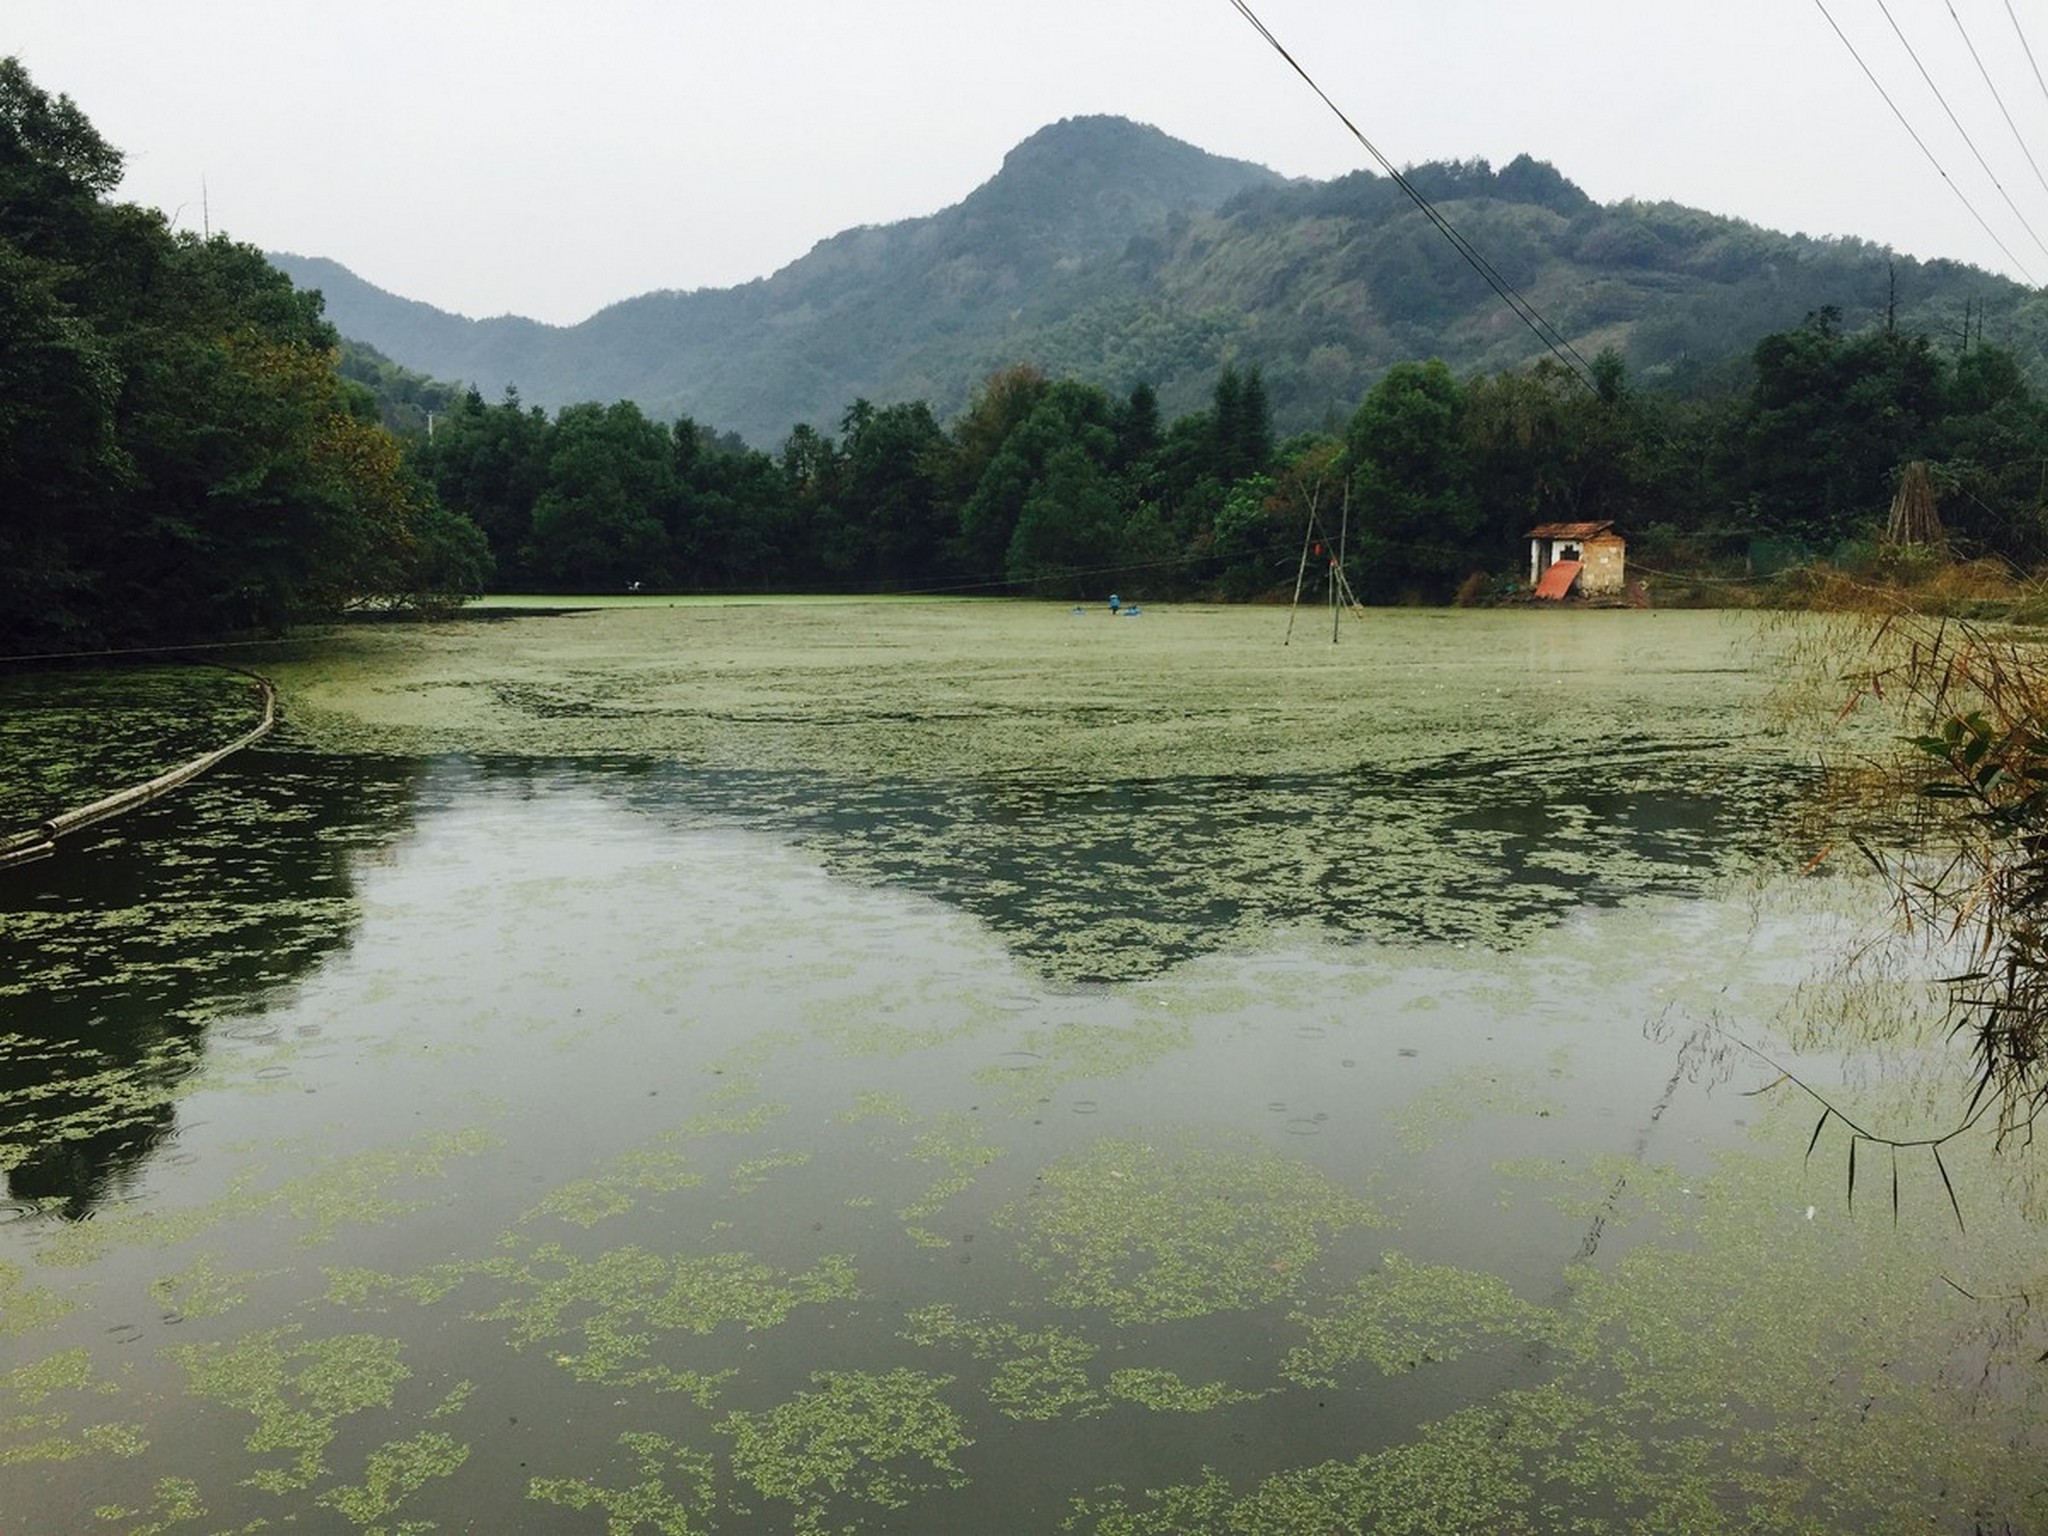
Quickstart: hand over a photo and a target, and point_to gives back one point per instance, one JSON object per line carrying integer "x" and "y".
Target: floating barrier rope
{"x": 41, "y": 841}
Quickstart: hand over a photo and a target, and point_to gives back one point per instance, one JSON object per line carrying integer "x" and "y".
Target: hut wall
{"x": 1606, "y": 565}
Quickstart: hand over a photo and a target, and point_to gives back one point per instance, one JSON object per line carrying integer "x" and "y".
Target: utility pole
{"x": 1337, "y": 565}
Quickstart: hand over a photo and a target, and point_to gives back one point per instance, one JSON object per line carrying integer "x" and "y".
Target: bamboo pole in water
{"x": 42, "y": 842}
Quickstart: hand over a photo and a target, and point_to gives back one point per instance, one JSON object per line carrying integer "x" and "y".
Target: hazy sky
{"x": 546, "y": 159}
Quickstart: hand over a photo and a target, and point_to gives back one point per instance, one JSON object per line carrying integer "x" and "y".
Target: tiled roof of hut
{"x": 1570, "y": 530}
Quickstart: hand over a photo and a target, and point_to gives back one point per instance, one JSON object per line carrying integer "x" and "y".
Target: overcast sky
{"x": 546, "y": 159}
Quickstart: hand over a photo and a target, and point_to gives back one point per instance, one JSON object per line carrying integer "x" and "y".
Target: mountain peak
{"x": 1096, "y": 136}
{"x": 1088, "y": 183}
{"x": 1102, "y": 148}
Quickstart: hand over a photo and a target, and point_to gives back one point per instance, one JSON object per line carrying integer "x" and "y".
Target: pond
{"x": 984, "y": 1067}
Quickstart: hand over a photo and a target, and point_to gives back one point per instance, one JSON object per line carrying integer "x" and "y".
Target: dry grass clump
{"x": 1902, "y": 580}
{"x": 1974, "y": 873}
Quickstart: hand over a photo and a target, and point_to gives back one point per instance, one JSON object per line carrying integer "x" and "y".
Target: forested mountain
{"x": 1108, "y": 252}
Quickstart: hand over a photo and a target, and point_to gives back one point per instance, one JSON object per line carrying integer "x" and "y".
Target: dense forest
{"x": 1060, "y": 488}
{"x": 178, "y": 455}
{"x": 187, "y": 449}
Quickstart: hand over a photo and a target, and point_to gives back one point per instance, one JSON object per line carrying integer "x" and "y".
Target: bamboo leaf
{"x": 1895, "y": 1186}
{"x": 1954, "y": 1204}
{"x": 1824, "y": 1114}
{"x": 1852, "y": 1171}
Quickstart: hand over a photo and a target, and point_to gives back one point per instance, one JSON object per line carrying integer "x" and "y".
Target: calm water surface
{"x": 582, "y": 1141}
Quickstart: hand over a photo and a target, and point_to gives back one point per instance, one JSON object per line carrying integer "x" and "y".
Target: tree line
{"x": 187, "y": 449}
{"x": 1057, "y": 487}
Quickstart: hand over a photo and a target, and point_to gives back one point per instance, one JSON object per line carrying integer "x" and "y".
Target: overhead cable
{"x": 2026, "y": 47}
{"x": 1922, "y": 144}
{"x": 2018, "y": 137}
{"x": 1555, "y": 340}
{"x": 1914, "y": 54}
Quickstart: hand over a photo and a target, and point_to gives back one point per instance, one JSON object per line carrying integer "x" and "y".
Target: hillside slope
{"x": 1109, "y": 251}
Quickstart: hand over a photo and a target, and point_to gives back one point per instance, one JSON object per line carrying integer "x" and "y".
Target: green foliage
{"x": 1991, "y": 443}
{"x": 891, "y": 503}
{"x": 1415, "y": 510}
{"x": 1545, "y": 449}
{"x": 1991, "y": 764}
{"x": 1055, "y": 487}
{"x": 178, "y": 456}
{"x": 598, "y": 524}
{"x": 407, "y": 403}
{"x": 488, "y": 464}
{"x": 49, "y": 152}
{"x": 1830, "y": 420}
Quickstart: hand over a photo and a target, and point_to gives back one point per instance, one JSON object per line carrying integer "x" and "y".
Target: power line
{"x": 107, "y": 653}
{"x": 2026, "y": 47}
{"x": 1921, "y": 143}
{"x": 1983, "y": 165}
{"x": 2018, "y": 137}
{"x": 1555, "y": 340}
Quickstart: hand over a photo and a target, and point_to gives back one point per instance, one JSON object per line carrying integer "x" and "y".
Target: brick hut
{"x": 1587, "y": 558}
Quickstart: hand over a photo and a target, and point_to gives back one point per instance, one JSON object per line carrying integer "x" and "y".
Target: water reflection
{"x": 647, "y": 1099}
{"x": 1119, "y": 881}
{"x": 122, "y": 948}
{"x": 117, "y": 952}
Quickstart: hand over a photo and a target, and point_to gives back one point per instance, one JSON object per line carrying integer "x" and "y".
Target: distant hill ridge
{"x": 1107, "y": 250}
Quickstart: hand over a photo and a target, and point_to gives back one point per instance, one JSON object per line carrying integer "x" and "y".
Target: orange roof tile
{"x": 1557, "y": 581}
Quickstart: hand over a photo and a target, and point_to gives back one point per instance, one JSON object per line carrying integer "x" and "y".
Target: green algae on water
{"x": 1150, "y": 1233}
{"x": 653, "y": 1502}
{"x": 359, "y": 1189}
{"x": 1408, "y": 1314}
{"x": 74, "y": 737}
{"x": 297, "y": 1389}
{"x": 750, "y": 1174}
{"x": 47, "y": 1432}
{"x": 202, "y": 1289}
{"x": 393, "y": 1474}
{"x": 956, "y": 1144}
{"x": 1165, "y": 1392}
{"x": 1271, "y": 857}
{"x": 620, "y": 1188}
{"x": 1041, "y": 1373}
{"x": 875, "y": 1438}
{"x": 620, "y": 1303}
{"x": 176, "y": 1502}
{"x": 25, "y": 1308}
